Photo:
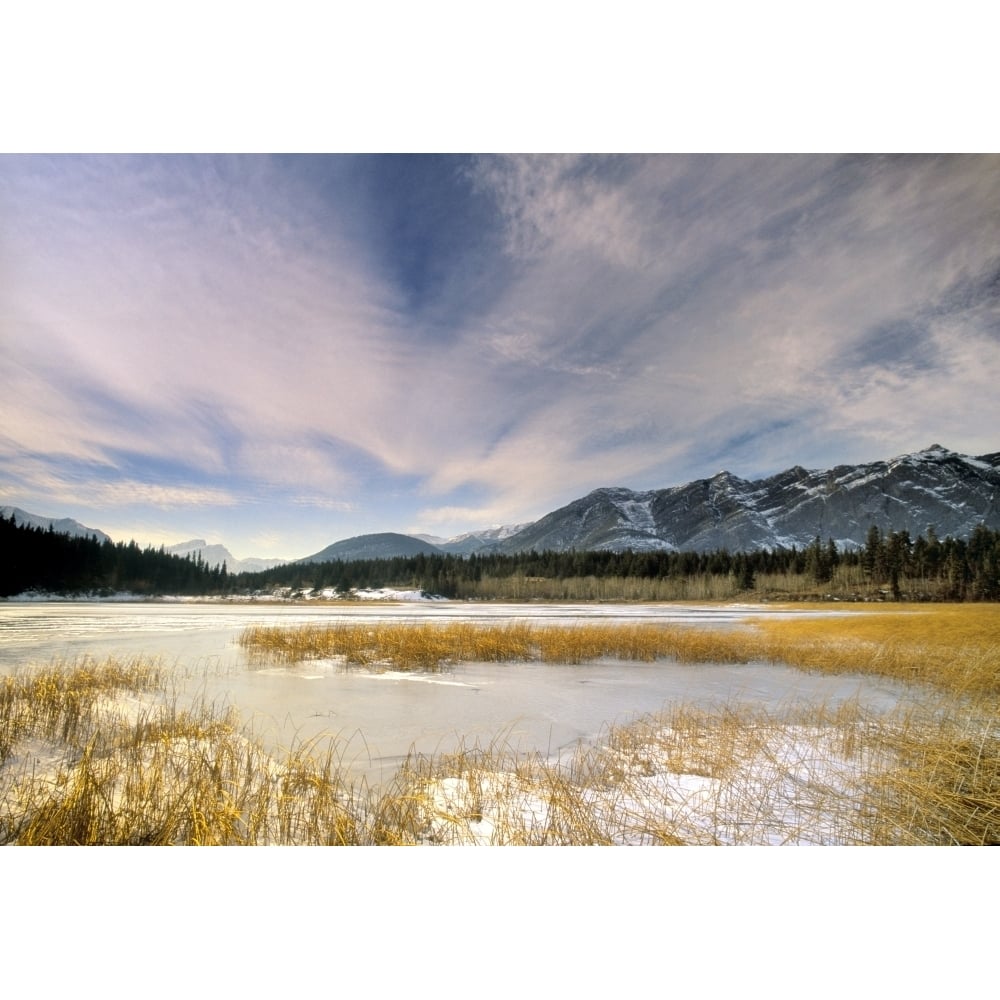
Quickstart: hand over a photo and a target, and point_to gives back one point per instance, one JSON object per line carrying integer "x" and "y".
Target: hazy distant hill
{"x": 950, "y": 492}
{"x": 216, "y": 555}
{"x": 64, "y": 525}
{"x": 384, "y": 545}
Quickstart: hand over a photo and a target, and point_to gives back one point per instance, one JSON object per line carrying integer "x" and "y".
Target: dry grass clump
{"x": 425, "y": 646}
{"x": 403, "y": 646}
{"x": 737, "y": 776}
{"x": 316, "y": 803}
{"x": 500, "y": 643}
{"x": 60, "y": 701}
{"x": 222, "y": 789}
{"x": 644, "y": 642}
{"x": 944, "y": 785}
{"x": 955, "y": 648}
{"x": 485, "y": 796}
{"x": 445, "y": 799}
{"x": 173, "y": 790}
{"x": 83, "y": 764}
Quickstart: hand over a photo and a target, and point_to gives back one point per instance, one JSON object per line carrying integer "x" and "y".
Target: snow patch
{"x": 391, "y": 594}
{"x": 802, "y": 783}
{"x": 638, "y": 514}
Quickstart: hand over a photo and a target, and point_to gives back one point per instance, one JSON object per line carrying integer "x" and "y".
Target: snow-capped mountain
{"x": 932, "y": 488}
{"x": 62, "y": 525}
{"x": 474, "y": 541}
{"x": 216, "y": 555}
{"x": 938, "y": 488}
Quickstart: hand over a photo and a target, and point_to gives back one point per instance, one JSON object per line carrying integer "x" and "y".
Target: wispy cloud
{"x": 365, "y": 343}
{"x": 93, "y": 492}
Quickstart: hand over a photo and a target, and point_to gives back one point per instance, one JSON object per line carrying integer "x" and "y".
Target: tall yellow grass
{"x": 60, "y": 701}
{"x": 953, "y": 647}
{"x": 94, "y": 753}
{"x": 407, "y": 646}
{"x": 153, "y": 774}
{"x": 731, "y": 776}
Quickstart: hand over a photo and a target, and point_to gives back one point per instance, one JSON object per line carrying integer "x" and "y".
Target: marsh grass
{"x": 485, "y": 796}
{"x": 60, "y": 701}
{"x": 921, "y": 776}
{"x": 734, "y": 775}
{"x": 85, "y": 763}
{"x": 402, "y": 646}
{"x": 98, "y": 753}
{"x": 406, "y": 646}
{"x": 955, "y": 648}
{"x": 944, "y": 784}
{"x": 316, "y": 803}
{"x": 731, "y": 776}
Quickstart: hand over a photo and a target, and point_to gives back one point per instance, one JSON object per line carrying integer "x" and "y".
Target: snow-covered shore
{"x": 280, "y": 594}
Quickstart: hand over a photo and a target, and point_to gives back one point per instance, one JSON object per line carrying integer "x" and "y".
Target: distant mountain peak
{"x": 194, "y": 543}
{"x": 480, "y": 540}
{"x": 217, "y": 555}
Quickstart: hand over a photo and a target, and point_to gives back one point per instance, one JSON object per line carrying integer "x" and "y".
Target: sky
{"x": 278, "y": 352}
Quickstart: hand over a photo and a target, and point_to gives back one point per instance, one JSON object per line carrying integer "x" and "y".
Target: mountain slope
{"x": 935, "y": 487}
{"x": 62, "y": 525}
{"x": 384, "y": 545}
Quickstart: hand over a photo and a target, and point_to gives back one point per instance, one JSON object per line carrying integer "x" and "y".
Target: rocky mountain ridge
{"x": 933, "y": 488}
{"x": 938, "y": 488}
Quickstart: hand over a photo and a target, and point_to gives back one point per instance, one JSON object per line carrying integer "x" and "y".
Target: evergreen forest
{"x": 39, "y": 559}
{"x": 889, "y": 566}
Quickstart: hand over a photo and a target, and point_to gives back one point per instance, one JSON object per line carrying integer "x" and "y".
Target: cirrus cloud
{"x": 319, "y": 346}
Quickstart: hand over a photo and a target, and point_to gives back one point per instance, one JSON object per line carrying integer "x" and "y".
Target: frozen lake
{"x": 379, "y": 717}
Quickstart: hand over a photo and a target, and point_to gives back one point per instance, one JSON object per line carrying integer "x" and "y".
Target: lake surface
{"x": 379, "y": 717}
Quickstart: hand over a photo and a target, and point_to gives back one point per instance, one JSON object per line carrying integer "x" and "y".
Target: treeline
{"x": 891, "y": 565}
{"x": 44, "y": 560}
